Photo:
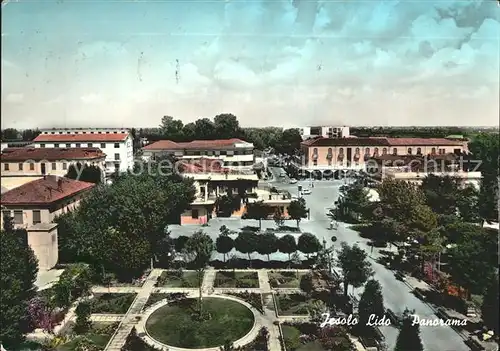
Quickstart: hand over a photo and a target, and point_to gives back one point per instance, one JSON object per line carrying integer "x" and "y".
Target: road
{"x": 397, "y": 295}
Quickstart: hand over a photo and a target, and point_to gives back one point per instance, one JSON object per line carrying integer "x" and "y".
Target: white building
{"x": 115, "y": 143}
{"x": 324, "y": 131}
{"x": 233, "y": 153}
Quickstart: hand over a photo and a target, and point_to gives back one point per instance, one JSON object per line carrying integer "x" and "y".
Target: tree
{"x": 180, "y": 243}
{"x": 40, "y": 315}
{"x": 82, "y": 323}
{"x": 8, "y": 223}
{"x": 371, "y": 302}
{"x": 85, "y": 173}
{"x": 199, "y": 249}
{"x": 353, "y": 202}
{"x": 18, "y": 272}
{"x": 227, "y": 204}
{"x": 289, "y": 142}
{"x": 171, "y": 128}
{"x": 295, "y": 259}
{"x": 227, "y": 126}
{"x": 441, "y": 193}
{"x": 267, "y": 244}
{"x": 308, "y": 244}
{"x": 224, "y": 244}
{"x": 287, "y": 245}
{"x": 409, "y": 334}
{"x": 489, "y": 308}
{"x": 297, "y": 210}
{"x": 204, "y": 129}
{"x": 355, "y": 268}
{"x": 306, "y": 283}
{"x": 257, "y": 210}
{"x": 246, "y": 242}
{"x": 485, "y": 147}
{"x": 473, "y": 259}
{"x": 119, "y": 228}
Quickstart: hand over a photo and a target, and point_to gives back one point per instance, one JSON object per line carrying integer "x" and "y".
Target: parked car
{"x": 306, "y": 192}
{"x": 293, "y": 181}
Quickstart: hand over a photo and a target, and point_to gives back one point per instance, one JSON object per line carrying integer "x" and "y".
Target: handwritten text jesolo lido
{"x": 375, "y": 321}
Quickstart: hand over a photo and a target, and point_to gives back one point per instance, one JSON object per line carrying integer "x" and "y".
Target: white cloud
{"x": 14, "y": 98}
{"x": 92, "y": 98}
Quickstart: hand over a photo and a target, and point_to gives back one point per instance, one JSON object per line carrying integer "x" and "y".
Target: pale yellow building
{"x": 23, "y": 165}
{"x": 325, "y": 156}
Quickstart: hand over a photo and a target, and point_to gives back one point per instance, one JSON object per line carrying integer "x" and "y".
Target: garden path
{"x": 130, "y": 320}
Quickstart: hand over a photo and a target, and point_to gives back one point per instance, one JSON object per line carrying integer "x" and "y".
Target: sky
{"x": 289, "y": 63}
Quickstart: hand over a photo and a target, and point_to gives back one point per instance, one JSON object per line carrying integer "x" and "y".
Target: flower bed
{"x": 111, "y": 303}
{"x": 252, "y": 298}
{"x": 178, "y": 279}
{"x": 292, "y": 304}
{"x": 285, "y": 279}
{"x": 229, "y": 279}
{"x": 310, "y": 337}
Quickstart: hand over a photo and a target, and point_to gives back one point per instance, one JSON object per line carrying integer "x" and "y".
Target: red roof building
{"x": 40, "y": 201}
{"x": 23, "y": 154}
{"x": 195, "y": 144}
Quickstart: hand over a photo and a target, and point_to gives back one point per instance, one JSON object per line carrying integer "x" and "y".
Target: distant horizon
{"x": 279, "y": 62}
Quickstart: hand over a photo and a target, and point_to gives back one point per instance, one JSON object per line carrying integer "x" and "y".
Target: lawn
{"x": 176, "y": 324}
{"x": 178, "y": 279}
{"x": 111, "y": 303}
{"x": 292, "y": 304}
{"x": 291, "y": 337}
{"x": 285, "y": 279}
{"x": 229, "y": 279}
{"x": 99, "y": 335}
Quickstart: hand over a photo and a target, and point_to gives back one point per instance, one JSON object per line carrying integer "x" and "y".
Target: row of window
{"x": 384, "y": 151}
{"x": 219, "y": 153}
{"x": 19, "y": 216}
{"x": 6, "y": 166}
{"x": 103, "y": 145}
{"x": 91, "y": 132}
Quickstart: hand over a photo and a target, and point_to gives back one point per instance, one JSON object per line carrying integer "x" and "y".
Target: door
{"x": 43, "y": 168}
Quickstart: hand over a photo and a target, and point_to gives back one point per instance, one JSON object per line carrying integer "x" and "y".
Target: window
{"x": 65, "y": 166}
{"x": 384, "y": 151}
{"x": 5, "y": 166}
{"x": 367, "y": 151}
{"x": 91, "y": 132}
{"x": 195, "y": 214}
{"x": 117, "y": 167}
{"x": 315, "y": 150}
{"x": 21, "y": 166}
{"x": 341, "y": 151}
{"x": 54, "y": 166}
{"x": 77, "y": 145}
{"x": 60, "y": 132}
{"x": 442, "y": 151}
{"x": 89, "y": 145}
{"x": 56, "y": 145}
{"x": 433, "y": 151}
{"x": 419, "y": 151}
{"x": 32, "y": 166}
{"x": 42, "y": 145}
{"x": 357, "y": 151}
{"x": 409, "y": 151}
{"x": 76, "y": 132}
{"x": 315, "y": 162}
{"x": 68, "y": 145}
{"x": 395, "y": 151}
{"x": 117, "y": 157}
{"x": 36, "y": 217}
{"x": 329, "y": 162}
{"x": 18, "y": 217}
{"x": 375, "y": 151}
{"x": 115, "y": 132}
{"x": 99, "y": 132}
{"x": 103, "y": 145}
{"x": 117, "y": 145}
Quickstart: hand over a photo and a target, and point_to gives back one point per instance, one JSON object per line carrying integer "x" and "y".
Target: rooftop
{"x": 195, "y": 144}
{"x": 44, "y": 191}
{"x": 22, "y": 154}
{"x": 381, "y": 141}
{"x": 112, "y": 137}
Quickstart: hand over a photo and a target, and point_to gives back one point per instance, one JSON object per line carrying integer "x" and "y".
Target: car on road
{"x": 399, "y": 275}
{"x": 282, "y": 174}
{"x": 306, "y": 192}
{"x": 293, "y": 181}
